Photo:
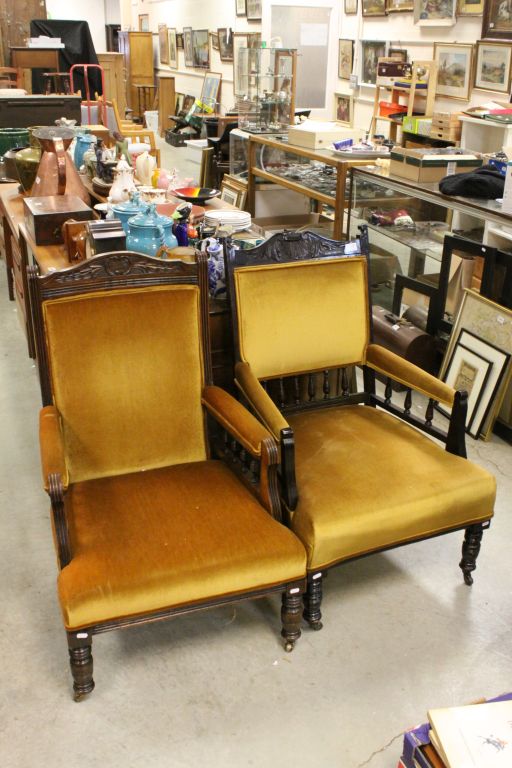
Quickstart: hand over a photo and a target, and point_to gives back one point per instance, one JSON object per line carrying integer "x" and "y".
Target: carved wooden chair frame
{"x": 225, "y": 440}
{"x": 287, "y": 392}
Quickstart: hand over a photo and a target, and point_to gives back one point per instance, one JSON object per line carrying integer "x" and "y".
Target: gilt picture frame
{"x": 163, "y": 44}
{"x": 173, "y": 48}
{"x": 454, "y": 70}
{"x": 344, "y": 109}
{"x": 497, "y": 20}
{"x": 345, "y": 58}
{"x": 493, "y": 66}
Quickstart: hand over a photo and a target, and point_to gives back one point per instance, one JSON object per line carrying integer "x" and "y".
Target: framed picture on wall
{"x": 454, "y": 69}
{"x": 371, "y": 52}
{"x": 345, "y": 58}
{"x": 470, "y": 7}
{"x": 241, "y": 7}
{"x": 497, "y": 21}
{"x": 143, "y": 22}
{"x": 187, "y": 46}
{"x": 201, "y": 48}
{"x": 253, "y": 10}
{"x": 350, "y": 7}
{"x": 398, "y": 6}
{"x": 173, "y": 49}
{"x": 225, "y": 43}
{"x": 214, "y": 37}
{"x": 434, "y": 13}
{"x": 344, "y": 108}
{"x": 492, "y": 68}
{"x": 211, "y": 89}
{"x": 179, "y": 41}
{"x": 163, "y": 44}
{"x": 374, "y": 7}
{"x": 398, "y": 53}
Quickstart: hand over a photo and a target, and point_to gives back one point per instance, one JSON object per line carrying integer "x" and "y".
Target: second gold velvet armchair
{"x": 359, "y": 474}
{"x": 163, "y": 488}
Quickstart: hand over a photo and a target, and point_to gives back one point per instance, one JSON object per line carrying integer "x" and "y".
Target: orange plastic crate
{"x": 387, "y": 108}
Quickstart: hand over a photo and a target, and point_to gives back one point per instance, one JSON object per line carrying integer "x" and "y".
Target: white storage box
{"x": 313, "y": 134}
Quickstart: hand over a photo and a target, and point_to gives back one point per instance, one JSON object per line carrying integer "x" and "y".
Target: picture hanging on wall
{"x": 344, "y": 108}
{"x": 179, "y": 102}
{"x": 470, "y": 7}
{"x": 215, "y": 40}
{"x": 173, "y": 49}
{"x": 492, "y": 69}
{"x": 345, "y": 58}
{"x": 187, "y": 46}
{"x": 163, "y": 43}
{"x": 371, "y": 52}
{"x": 201, "y": 48}
{"x": 179, "y": 41}
{"x": 374, "y": 7}
{"x": 398, "y": 53}
{"x": 253, "y": 10}
{"x": 399, "y": 6}
{"x": 143, "y": 22}
{"x": 225, "y": 43}
{"x": 434, "y": 13}
{"x": 497, "y": 21}
{"x": 350, "y": 7}
{"x": 211, "y": 89}
{"x": 241, "y": 7}
{"x": 240, "y": 40}
{"x": 454, "y": 69}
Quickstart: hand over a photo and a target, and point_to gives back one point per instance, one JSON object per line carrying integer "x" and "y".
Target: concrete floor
{"x": 401, "y": 634}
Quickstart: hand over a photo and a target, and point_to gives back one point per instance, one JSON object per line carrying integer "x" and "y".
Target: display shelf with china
{"x": 266, "y": 83}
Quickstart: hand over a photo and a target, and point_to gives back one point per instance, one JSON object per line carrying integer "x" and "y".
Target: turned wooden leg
{"x": 312, "y": 602}
{"x": 80, "y": 659}
{"x": 290, "y": 617}
{"x": 470, "y": 549}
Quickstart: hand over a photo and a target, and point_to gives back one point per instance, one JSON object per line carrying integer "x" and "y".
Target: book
{"x": 474, "y": 736}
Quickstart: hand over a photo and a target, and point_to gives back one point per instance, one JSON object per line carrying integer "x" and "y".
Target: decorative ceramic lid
{"x": 148, "y": 217}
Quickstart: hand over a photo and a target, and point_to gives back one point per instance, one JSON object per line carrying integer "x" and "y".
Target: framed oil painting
{"x": 470, "y": 7}
{"x": 201, "y": 48}
{"x": 253, "y": 10}
{"x": 497, "y": 21}
{"x": 187, "y": 46}
{"x": 350, "y": 7}
{"x": 173, "y": 49}
{"x": 371, "y": 52}
{"x": 163, "y": 44}
{"x": 345, "y": 58}
{"x": 225, "y": 43}
{"x": 214, "y": 38}
{"x": 492, "y": 68}
{"x": 399, "y": 6}
{"x": 374, "y": 7}
{"x": 179, "y": 41}
{"x": 434, "y": 13}
{"x": 241, "y": 7}
{"x": 211, "y": 89}
{"x": 344, "y": 108}
{"x": 143, "y": 22}
{"x": 454, "y": 69}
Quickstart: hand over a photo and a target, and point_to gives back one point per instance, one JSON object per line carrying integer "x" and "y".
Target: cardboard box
{"x": 314, "y": 134}
{"x": 430, "y": 165}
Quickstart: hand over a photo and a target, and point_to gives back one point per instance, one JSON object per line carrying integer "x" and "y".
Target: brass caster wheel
{"x": 316, "y": 626}
{"x": 468, "y": 579}
{"x": 288, "y": 646}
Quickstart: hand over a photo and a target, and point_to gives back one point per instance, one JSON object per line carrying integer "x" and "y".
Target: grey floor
{"x": 401, "y": 634}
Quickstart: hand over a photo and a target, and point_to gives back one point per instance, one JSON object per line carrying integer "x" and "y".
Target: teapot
{"x": 148, "y": 232}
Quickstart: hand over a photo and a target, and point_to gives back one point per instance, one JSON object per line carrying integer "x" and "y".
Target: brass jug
{"x": 57, "y": 174}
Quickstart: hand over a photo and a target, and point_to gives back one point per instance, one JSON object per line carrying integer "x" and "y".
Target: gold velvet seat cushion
{"x": 167, "y": 537}
{"x": 367, "y": 480}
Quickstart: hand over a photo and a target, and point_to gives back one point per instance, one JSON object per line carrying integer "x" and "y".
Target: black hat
{"x": 485, "y": 182}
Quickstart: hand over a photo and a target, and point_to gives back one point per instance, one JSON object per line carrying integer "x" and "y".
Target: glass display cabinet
{"x": 265, "y": 86}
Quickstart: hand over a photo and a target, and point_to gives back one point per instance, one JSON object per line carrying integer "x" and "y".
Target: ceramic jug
{"x": 144, "y": 167}
{"x": 145, "y": 234}
{"x": 83, "y": 142}
{"x": 123, "y": 183}
{"x": 57, "y": 174}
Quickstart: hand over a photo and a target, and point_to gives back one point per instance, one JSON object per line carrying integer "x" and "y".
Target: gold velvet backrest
{"x": 302, "y": 316}
{"x": 126, "y": 371}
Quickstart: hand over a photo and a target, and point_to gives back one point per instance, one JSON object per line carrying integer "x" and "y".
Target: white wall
{"x": 397, "y": 28}
{"x": 92, "y": 11}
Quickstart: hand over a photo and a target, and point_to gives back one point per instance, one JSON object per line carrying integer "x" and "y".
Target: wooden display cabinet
{"x": 115, "y": 85}
{"x": 137, "y": 50}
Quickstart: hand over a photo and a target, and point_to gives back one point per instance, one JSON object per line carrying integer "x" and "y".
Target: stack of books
{"x": 473, "y": 736}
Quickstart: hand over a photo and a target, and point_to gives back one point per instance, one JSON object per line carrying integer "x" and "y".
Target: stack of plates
{"x": 238, "y": 220}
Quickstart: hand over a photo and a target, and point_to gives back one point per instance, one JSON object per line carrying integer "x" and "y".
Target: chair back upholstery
{"x": 300, "y": 303}
{"x": 128, "y": 392}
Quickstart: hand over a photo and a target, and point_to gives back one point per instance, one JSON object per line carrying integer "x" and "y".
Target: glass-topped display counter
{"x": 266, "y": 89}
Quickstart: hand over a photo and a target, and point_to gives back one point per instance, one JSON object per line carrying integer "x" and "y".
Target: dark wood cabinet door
{"x": 15, "y": 18}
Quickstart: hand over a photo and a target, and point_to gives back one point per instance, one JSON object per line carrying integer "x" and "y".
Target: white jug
{"x": 144, "y": 167}
{"x": 123, "y": 183}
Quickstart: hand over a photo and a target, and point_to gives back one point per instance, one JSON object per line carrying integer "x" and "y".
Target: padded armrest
{"x": 388, "y": 363}
{"x": 263, "y": 405}
{"x": 53, "y": 459}
{"x": 235, "y": 418}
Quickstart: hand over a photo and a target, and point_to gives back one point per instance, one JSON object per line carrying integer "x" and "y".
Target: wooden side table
{"x": 34, "y": 58}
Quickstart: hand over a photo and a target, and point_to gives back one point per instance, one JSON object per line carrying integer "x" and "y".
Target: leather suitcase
{"x": 405, "y": 339}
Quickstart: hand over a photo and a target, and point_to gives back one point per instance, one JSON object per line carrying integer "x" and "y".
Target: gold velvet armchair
{"x": 147, "y": 524}
{"x": 357, "y": 475}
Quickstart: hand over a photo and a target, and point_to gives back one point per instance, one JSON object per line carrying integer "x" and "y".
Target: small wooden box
{"x": 44, "y": 216}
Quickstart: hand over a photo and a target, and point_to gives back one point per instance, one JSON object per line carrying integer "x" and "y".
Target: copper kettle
{"x": 57, "y": 174}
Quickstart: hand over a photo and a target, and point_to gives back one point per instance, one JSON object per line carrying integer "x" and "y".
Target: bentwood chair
{"x": 147, "y": 523}
{"x": 358, "y": 475}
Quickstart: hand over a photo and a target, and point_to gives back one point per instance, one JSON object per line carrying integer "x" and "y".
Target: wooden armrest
{"x": 235, "y": 419}
{"x": 53, "y": 458}
{"x": 258, "y": 399}
{"x": 388, "y": 363}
